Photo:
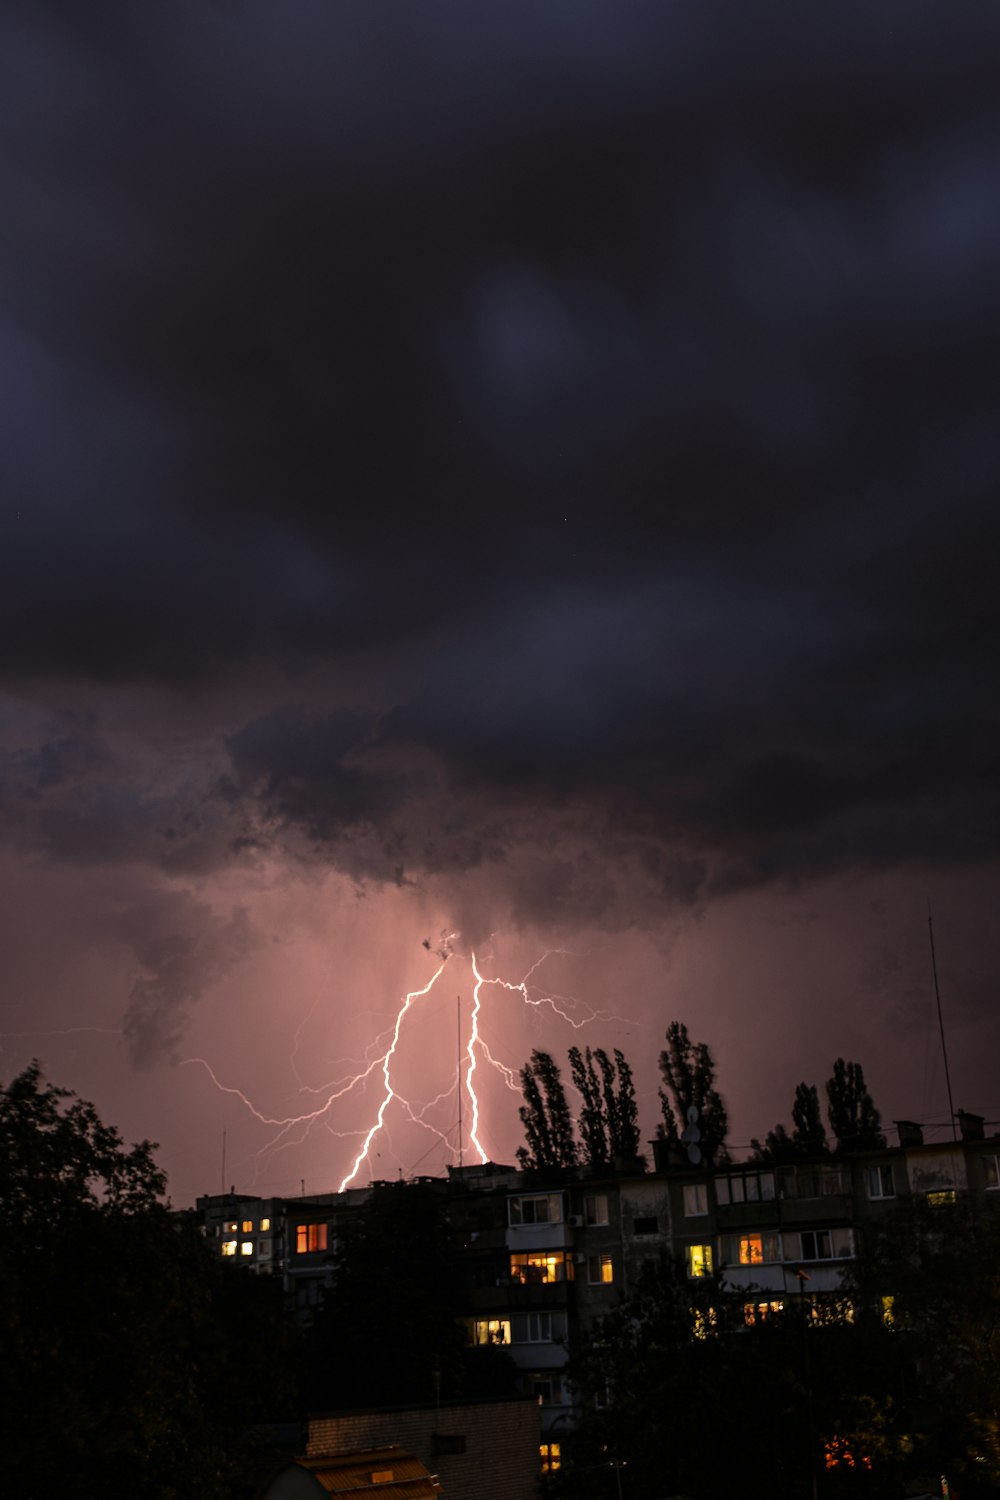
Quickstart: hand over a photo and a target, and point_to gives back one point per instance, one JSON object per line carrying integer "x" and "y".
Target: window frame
{"x": 517, "y": 1205}
{"x": 603, "y": 1261}
{"x": 696, "y": 1193}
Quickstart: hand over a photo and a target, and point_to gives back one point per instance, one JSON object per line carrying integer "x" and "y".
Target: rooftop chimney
{"x": 971, "y": 1126}
{"x": 910, "y": 1133}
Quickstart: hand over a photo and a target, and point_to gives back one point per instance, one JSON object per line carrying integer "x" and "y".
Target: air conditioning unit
{"x": 574, "y": 1221}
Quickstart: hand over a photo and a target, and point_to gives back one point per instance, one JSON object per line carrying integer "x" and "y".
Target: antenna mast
{"x": 944, "y": 1049}
{"x": 458, "y": 1011}
{"x": 223, "y": 1188}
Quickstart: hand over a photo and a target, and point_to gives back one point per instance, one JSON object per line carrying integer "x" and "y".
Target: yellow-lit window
{"x": 309, "y": 1237}
{"x": 699, "y": 1260}
{"x": 889, "y": 1311}
{"x": 491, "y": 1331}
{"x": 751, "y": 1250}
{"x": 942, "y": 1197}
{"x": 229, "y": 1247}
{"x": 265, "y": 1225}
{"x": 551, "y": 1455}
{"x": 247, "y": 1247}
{"x": 248, "y": 1226}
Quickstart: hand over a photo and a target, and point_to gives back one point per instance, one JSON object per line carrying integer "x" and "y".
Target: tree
{"x": 608, "y": 1120}
{"x": 132, "y": 1360}
{"x": 389, "y": 1330}
{"x": 689, "y": 1075}
{"x": 548, "y": 1125}
{"x": 854, "y": 1120}
{"x": 808, "y": 1137}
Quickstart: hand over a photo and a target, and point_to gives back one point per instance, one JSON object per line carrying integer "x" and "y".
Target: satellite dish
{"x": 692, "y": 1135}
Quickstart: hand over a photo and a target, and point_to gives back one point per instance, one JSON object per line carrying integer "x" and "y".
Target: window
{"x": 309, "y": 1237}
{"x": 546, "y": 1387}
{"x": 646, "y": 1226}
{"x": 816, "y": 1244}
{"x": 880, "y": 1182}
{"x": 247, "y": 1247}
{"x": 541, "y": 1265}
{"x": 551, "y": 1455}
{"x": 600, "y": 1270}
{"x": 265, "y": 1225}
{"x": 756, "y": 1249}
{"x": 941, "y": 1198}
{"x": 542, "y": 1208}
{"x": 490, "y": 1331}
{"x": 747, "y": 1187}
{"x": 229, "y": 1247}
{"x": 819, "y": 1182}
{"x": 248, "y": 1226}
{"x": 760, "y": 1312}
{"x": 699, "y": 1260}
{"x": 991, "y": 1168}
{"x": 695, "y": 1200}
{"x": 231, "y": 1228}
{"x": 595, "y": 1210}
{"x": 533, "y": 1328}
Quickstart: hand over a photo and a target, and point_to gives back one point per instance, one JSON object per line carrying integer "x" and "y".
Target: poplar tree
{"x": 808, "y": 1137}
{"x": 548, "y": 1124}
{"x": 688, "y": 1071}
{"x": 608, "y": 1120}
{"x": 854, "y": 1120}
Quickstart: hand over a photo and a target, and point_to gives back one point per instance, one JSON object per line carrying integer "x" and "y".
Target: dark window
{"x": 447, "y": 1442}
{"x": 646, "y": 1226}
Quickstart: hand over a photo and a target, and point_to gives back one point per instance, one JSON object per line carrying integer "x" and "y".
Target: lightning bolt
{"x": 383, "y": 1054}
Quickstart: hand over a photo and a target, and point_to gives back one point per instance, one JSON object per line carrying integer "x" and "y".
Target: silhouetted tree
{"x": 608, "y": 1120}
{"x": 689, "y": 1075}
{"x": 548, "y": 1125}
{"x": 854, "y": 1120}
{"x": 132, "y": 1359}
{"x": 808, "y": 1137}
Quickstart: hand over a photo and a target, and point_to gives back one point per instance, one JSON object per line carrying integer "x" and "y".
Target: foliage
{"x": 133, "y": 1360}
{"x": 808, "y": 1137}
{"x": 854, "y": 1120}
{"x": 608, "y": 1120}
{"x": 394, "y": 1306}
{"x": 548, "y": 1125}
{"x": 689, "y": 1077}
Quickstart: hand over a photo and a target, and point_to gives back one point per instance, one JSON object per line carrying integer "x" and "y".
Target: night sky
{"x": 521, "y": 477}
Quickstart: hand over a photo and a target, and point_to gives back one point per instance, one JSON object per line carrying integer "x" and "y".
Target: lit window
{"x": 490, "y": 1331}
{"x": 232, "y": 1228}
{"x": 309, "y": 1237}
{"x": 248, "y": 1226}
{"x": 229, "y": 1247}
{"x": 551, "y": 1457}
{"x": 265, "y": 1225}
{"x": 889, "y": 1311}
{"x": 759, "y": 1312}
{"x": 595, "y": 1209}
{"x": 247, "y": 1247}
{"x": 600, "y": 1270}
{"x": 752, "y": 1250}
{"x": 540, "y": 1265}
{"x": 541, "y": 1208}
{"x": 699, "y": 1260}
{"x": 880, "y": 1182}
{"x": 942, "y": 1197}
{"x": 695, "y": 1200}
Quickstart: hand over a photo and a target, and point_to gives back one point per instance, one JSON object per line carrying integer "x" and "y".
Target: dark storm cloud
{"x": 632, "y": 370}
{"x": 182, "y": 948}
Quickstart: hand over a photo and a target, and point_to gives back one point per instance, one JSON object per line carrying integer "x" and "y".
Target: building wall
{"x": 501, "y": 1438}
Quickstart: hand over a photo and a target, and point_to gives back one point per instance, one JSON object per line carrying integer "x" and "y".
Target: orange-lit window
{"x": 551, "y": 1455}
{"x": 229, "y": 1247}
{"x": 265, "y": 1225}
{"x": 248, "y": 1226}
{"x": 759, "y": 1312}
{"x": 247, "y": 1247}
{"x": 309, "y": 1237}
{"x": 751, "y": 1250}
{"x": 540, "y": 1265}
{"x": 232, "y": 1227}
{"x": 699, "y": 1260}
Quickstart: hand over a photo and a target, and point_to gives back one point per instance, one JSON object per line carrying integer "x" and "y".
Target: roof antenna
{"x": 937, "y": 997}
